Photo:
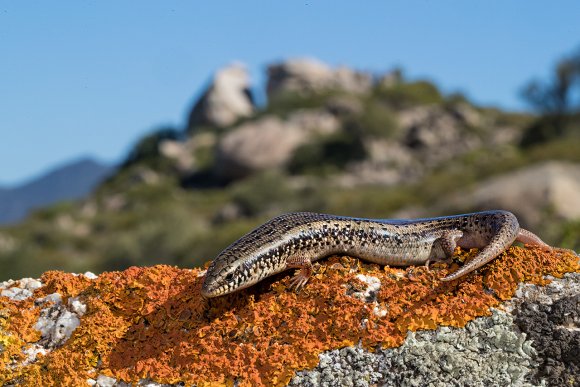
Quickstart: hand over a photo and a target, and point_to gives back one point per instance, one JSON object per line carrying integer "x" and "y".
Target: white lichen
{"x": 102, "y": 381}
{"x": 379, "y": 310}
{"x": 57, "y": 322}
{"x": 32, "y": 353}
{"x": 369, "y": 294}
{"x": 149, "y": 383}
{"x": 19, "y": 290}
{"x": 488, "y": 351}
{"x": 77, "y": 306}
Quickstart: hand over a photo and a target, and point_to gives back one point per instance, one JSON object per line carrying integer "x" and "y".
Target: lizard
{"x": 296, "y": 240}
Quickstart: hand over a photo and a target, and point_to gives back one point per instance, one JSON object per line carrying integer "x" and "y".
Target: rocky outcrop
{"x": 307, "y": 76}
{"x": 550, "y": 318}
{"x": 178, "y": 151}
{"x": 388, "y": 163}
{"x": 226, "y": 100}
{"x": 530, "y": 192}
{"x": 534, "y": 341}
{"x": 390, "y": 79}
{"x": 354, "y": 324}
{"x": 436, "y": 134}
{"x": 429, "y": 135}
{"x": 269, "y": 142}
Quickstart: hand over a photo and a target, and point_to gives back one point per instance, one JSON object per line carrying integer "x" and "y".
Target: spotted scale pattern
{"x": 265, "y": 250}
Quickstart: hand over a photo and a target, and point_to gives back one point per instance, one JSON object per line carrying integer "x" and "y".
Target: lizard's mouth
{"x": 208, "y": 290}
{"x": 220, "y": 288}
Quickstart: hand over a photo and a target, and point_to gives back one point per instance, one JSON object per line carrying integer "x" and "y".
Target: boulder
{"x": 344, "y": 105}
{"x": 354, "y": 324}
{"x": 436, "y": 134}
{"x": 269, "y": 142}
{"x": 314, "y": 121}
{"x": 388, "y": 163}
{"x": 178, "y": 151}
{"x": 530, "y": 192}
{"x": 227, "y": 99}
{"x": 307, "y": 76}
{"x": 533, "y": 342}
{"x": 265, "y": 143}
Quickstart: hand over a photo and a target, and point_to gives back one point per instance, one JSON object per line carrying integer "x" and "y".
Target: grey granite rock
{"x": 533, "y": 342}
{"x": 227, "y": 99}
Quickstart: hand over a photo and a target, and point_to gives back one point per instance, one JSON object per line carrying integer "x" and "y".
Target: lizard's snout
{"x": 207, "y": 290}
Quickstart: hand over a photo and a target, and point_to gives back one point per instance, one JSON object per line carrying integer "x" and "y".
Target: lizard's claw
{"x": 299, "y": 280}
{"x": 301, "y": 277}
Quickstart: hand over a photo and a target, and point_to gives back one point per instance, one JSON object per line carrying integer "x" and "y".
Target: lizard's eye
{"x": 230, "y": 277}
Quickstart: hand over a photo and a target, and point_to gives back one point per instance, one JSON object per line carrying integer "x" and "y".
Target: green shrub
{"x": 327, "y": 154}
{"x": 404, "y": 95}
{"x": 376, "y": 120}
{"x": 261, "y": 193}
{"x": 147, "y": 149}
{"x": 551, "y": 127}
{"x": 569, "y": 236}
{"x": 286, "y": 103}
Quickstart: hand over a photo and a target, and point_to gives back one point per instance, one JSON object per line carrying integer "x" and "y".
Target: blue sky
{"x": 90, "y": 77}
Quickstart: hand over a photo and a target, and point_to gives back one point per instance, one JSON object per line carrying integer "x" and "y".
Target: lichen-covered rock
{"x": 354, "y": 324}
{"x": 553, "y": 325}
{"x": 520, "y": 346}
{"x": 19, "y": 290}
{"x": 57, "y": 322}
{"x": 488, "y": 351}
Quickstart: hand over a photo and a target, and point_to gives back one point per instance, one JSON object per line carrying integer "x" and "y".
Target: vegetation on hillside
{"x": 155, "y": 211}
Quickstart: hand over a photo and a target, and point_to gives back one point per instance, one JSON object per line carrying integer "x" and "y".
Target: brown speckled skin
{"x": 307, "y": 237}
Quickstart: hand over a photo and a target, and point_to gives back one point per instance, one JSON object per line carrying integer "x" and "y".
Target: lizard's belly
{"x": 383, "y": 253}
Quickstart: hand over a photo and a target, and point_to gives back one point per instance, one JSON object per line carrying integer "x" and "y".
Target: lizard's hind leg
{"x": 529, "y": 238}
{"x": 444, "y": 245}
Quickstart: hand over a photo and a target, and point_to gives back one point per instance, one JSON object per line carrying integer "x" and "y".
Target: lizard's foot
{"x": 303, "y": 275}
{"x": 300, "y": 279}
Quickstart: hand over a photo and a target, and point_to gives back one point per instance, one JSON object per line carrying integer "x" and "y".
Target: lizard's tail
{"x": 505, "y": 231}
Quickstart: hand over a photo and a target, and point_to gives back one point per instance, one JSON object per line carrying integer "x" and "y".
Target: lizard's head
{"x": 251, "y": 258}
{"x": 226, "y": 274}
{"x": 220, "y": 279}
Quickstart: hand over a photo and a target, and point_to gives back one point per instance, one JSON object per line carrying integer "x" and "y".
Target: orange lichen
{"x": 152, "y": 322}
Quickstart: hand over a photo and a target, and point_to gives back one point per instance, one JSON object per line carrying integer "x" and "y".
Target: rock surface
{"x": 534, "y": 341}
{"x": 355, "y": 324}
{"x": 552, "y": 186}
{"x": 226, "y": 100}
{"x": 307, "y": 76}
{"x": 269, "y": 142}
{"x": 436, "y": 134}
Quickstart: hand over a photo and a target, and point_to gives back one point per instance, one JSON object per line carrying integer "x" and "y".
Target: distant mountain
{"x": 67, "y": 182}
